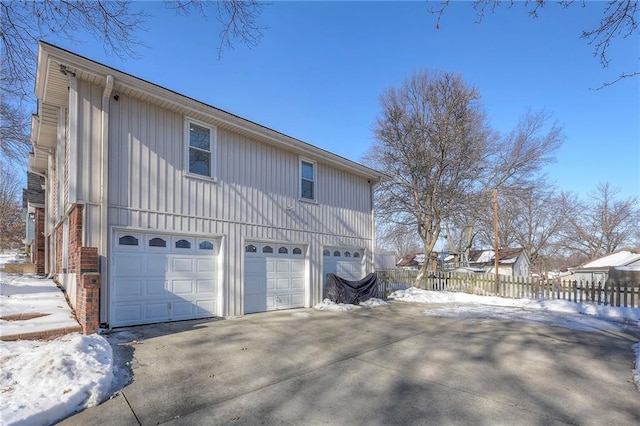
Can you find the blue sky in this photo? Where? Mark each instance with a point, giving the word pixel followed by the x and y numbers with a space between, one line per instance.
pixel 321 66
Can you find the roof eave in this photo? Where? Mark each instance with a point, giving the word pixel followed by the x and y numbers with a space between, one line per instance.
pixel 49 52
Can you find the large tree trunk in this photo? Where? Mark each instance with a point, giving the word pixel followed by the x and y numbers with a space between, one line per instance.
pixel 429 241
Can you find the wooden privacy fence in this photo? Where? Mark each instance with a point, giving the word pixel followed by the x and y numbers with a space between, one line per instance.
pixel 620 294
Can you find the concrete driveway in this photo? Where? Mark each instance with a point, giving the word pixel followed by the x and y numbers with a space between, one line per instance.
pixel 382 366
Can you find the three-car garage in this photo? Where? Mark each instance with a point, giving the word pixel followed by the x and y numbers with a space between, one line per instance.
pixel 158 277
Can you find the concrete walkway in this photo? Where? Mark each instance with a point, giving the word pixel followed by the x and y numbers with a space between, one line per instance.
pixel 381 366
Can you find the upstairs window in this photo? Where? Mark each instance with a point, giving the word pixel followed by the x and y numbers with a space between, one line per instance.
pixel 307 180
pixel 201 146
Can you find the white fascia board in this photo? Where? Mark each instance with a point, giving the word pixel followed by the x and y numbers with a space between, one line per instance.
pixel 158 92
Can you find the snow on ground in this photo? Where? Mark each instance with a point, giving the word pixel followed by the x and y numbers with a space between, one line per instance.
pixel 45 381
pixel 31 295
pixel 576 316
pixel 561 313
pixel 42 382
pixel 329 305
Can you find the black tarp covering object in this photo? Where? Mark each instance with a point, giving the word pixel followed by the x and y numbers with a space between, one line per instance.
pixel 340 290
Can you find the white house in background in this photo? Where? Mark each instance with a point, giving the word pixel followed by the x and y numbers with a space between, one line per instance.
pixel 512 262
pixel 160 207
pixel 597 270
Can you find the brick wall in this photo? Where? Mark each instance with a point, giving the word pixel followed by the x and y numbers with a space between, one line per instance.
pixel 84 263
pixel 58 234
pixel 38 249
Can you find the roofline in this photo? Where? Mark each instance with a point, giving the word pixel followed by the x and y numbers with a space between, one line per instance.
pixel 48 52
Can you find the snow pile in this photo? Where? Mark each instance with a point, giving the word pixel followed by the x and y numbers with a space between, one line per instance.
pixel 329 305
pixel 624 315
pixel 44 382
pixel 636 370
pixel 373 303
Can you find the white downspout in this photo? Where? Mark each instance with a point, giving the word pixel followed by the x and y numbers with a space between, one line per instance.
pixel 373 229
pixel 104 196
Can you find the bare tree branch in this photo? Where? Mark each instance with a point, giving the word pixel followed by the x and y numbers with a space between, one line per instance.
pixel 239 20
pixel 619 21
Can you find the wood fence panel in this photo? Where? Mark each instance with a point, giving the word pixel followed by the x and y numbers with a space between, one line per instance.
pixel 608 293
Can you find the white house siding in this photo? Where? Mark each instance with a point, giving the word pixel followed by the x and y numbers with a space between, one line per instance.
pixel 254 197
pixel 89 142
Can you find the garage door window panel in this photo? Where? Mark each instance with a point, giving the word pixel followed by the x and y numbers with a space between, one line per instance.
pixel 183 244
pixel 157 242
pixel 128 240
pixel 206 245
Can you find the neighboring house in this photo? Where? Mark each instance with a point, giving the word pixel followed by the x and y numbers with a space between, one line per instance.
pixel 411 261
pixel 33 203
pixel 416 260
pixel 159 207
pixel 598 270
pixel 512 262
pixel 384 261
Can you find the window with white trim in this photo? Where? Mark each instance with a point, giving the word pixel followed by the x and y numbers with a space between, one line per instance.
pixel 307 180
pixel 201 143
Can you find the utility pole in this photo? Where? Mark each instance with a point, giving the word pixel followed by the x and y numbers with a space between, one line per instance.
pixel 496 240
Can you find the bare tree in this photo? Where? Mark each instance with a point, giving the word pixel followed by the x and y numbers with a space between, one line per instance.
pixel 399 238
pixel 113 22
pixel 603 224
pixel 514 161
pixel 619 21
pixel 433 137
pixel 532 219
pixel 12 229
pixel 14 132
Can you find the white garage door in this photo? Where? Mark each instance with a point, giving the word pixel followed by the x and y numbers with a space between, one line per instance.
pixel 274 277
pixel 162 277
pixel 343 262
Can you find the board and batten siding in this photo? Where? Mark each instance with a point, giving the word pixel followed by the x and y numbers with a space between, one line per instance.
pixel 255 196
pixel 256 183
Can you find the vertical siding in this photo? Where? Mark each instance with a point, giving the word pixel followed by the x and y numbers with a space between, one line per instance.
pixel 89 170
pixel 65 140
pixel 255 195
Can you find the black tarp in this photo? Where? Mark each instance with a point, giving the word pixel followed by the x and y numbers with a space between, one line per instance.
pixel 340 290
